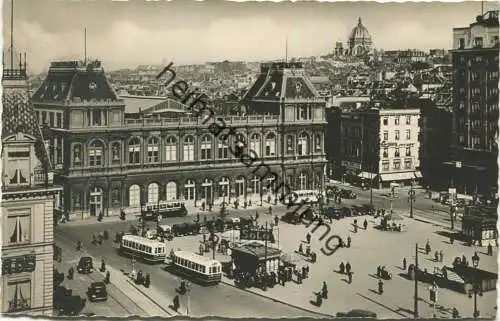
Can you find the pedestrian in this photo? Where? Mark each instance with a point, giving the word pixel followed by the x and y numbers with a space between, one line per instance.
pixel 349 275
pixel 378 271
pixel 276 220
pixel 436 256
pixel 324 291
pixel 490 249
pixel 176 304
pixel 380 287
pixel 256 215
pixel 301 250
pixel 441 256
pixel 299 277
pixel 454 313
pixel 342 268
pixel 451 239
pixel 365 224
pixel 404 263
pixel 308 250
pixel 427 248
pixel 308 238
pixel 349 241
pixel 348 267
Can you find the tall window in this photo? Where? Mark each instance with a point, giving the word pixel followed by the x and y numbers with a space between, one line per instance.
pixel 188 148
pixel 19 227
pixel 270 145
pixel 77 154
pixel 171 191
pixel 385 165
pixel 222 150
pixel 385 121
pixel 115 197
pixel 224 187
pixel 206 148
pixel 408 134
pixel 289 144
pixel 396 136
pixel 317 143
pixel 396 121
pixel 115 152
pixel 302 181
pixel 18 295
pixel 408 151
pixel 189 190
pixel 396 163
pixel 153 191
pixel 153 147
pixel 302 144
pixel 408 163
pixel 170 149
pixel 95 153
pixel 386 135
pixel 396 152
pixel 255 144
pixel 385 153
pixel 134 195
pixel 256 185
pixel 134 151
pixel 408 120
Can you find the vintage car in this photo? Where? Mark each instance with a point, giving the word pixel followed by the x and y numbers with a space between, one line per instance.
pixel 85 265
pixel 296 214
pixel 97 292
pixel 347 194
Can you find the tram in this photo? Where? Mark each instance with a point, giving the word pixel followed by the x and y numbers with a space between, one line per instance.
pixel 163 209
pixel 197 268
pixel 151 251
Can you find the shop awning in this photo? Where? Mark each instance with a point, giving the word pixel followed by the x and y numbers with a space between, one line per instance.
pixel 399 176
pixel 367 175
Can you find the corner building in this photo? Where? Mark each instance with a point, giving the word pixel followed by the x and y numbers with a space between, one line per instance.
pixel 473 169
pixel 107 159
pixel 28 200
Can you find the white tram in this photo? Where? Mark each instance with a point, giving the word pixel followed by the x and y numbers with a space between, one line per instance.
pixel 195 267
pixel 152 251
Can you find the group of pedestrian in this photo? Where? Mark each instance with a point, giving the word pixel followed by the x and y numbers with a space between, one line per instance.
pixel 322 294
pixel 438 256
pixel 346 269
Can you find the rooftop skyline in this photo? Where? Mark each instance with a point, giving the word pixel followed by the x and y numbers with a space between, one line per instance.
pixel 126 34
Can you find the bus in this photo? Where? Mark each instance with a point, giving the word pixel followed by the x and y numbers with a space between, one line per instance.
pixel 151 251
pixel 197 268
pixel 163 209
pixel 306 196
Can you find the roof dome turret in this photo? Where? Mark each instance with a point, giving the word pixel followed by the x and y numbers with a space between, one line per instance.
pixel 360 32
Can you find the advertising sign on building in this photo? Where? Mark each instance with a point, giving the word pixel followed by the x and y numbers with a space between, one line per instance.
pixel 255 233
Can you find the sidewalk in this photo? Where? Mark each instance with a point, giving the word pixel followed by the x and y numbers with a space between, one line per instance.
pixel 150 301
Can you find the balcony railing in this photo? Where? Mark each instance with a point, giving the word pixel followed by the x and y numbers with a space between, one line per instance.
pixel 192 121
pixel 39 177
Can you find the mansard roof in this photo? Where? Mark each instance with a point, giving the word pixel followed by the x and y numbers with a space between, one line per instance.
pixel 18 116
pixel 73 80
pixel 279 80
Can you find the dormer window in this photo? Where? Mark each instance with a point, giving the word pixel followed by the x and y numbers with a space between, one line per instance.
pixel 478 42
pixel 17 169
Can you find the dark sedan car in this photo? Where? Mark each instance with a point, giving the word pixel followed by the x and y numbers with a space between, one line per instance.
pixel 85 265
pixel 357 313
pixel 97 292
pixel 347 194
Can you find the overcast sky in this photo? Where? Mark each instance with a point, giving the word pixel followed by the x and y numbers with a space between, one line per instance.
pixel 125 34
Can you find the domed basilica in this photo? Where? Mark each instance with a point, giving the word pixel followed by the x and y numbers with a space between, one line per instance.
pixel 358 44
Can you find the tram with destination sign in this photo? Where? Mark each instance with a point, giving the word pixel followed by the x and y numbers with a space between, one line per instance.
pixel 163 209
pixel 151 251
pixel 194 267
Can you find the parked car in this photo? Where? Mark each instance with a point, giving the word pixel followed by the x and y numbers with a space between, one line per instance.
pixel 85 265
pixel 347 194
pixel 357 313
pixel 97 292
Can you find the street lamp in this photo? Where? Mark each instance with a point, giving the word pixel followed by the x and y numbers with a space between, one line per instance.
pixel 476 286
pixel 412 196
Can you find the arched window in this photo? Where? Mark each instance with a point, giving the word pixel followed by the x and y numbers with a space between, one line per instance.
pixel 171 191
pixel 134 151
pixel 153 147
pixel 77 154
pixel 317 143
pixel 289 144
pixel 302 144
pixel 303 181
pixel 115 153
pixel 255 144
pixel 224 187
pixel 171 149
pixel 115 197
pixel 188 148
pixel 134 195
pixel 270 145
pixel 153 193
pixel 222 150
pixel 206 148
pixel 95 153
pixel 189 190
